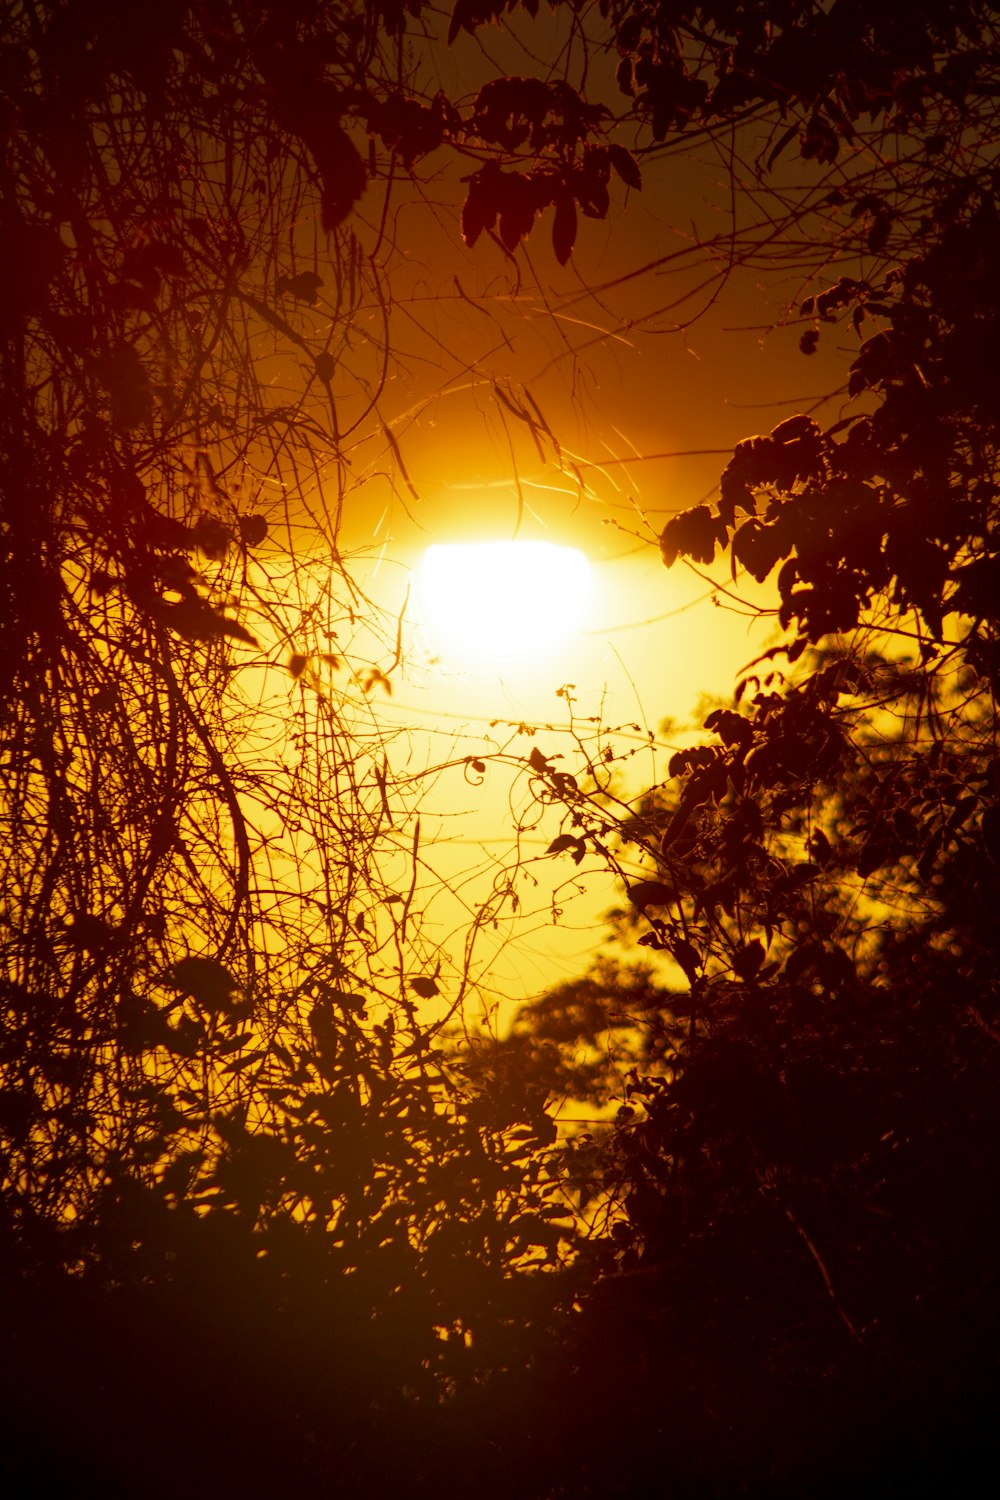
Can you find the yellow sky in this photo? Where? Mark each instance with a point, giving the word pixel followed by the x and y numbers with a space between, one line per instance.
pixel 580 405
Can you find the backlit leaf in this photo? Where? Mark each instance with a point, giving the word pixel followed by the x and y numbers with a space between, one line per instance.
pixel 253 530
pixel 625 165
pixel 564 227
pixel 650 893
pixel 205 979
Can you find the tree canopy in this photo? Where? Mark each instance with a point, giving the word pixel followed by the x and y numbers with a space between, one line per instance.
pixel 721 1211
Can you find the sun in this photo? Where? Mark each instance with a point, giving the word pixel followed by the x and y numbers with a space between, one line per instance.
pixel 499 605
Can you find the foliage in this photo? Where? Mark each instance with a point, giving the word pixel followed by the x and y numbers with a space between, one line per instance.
pixel 224 1118
pixel 819 869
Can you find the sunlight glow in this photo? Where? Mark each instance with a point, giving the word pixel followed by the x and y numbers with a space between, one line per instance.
pixel 498 604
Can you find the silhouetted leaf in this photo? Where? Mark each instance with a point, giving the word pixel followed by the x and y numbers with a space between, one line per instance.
pixel 211 536
pixel 748 959
pixel 818 141
pixel 520 200
pixel 625 165
pixel 643 893
pixel 687 956
pixel 568 842
pixel 482 203
pixel 590 185
pixel 343 177
pixel 564 227
pixel 731 727
pixel 240 1064
pixel 694 533
pixel 253 530
pixel 783 140
pixel 205 979
pixel 305 286
pixel 196 620
pixel 758 546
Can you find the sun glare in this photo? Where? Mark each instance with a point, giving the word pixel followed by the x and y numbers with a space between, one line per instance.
pixel 500 604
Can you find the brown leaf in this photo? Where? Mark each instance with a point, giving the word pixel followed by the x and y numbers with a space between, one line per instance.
pixel 625 165
pixel 205 979
pixel 650 893
pixel 305 287
pixel 253 530
pixel 564 227
pixel 693 533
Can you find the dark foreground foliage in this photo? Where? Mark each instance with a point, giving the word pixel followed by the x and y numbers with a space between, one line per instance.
pixel 264 1228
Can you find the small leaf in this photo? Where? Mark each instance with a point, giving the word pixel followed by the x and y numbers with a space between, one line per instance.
pixel 626 166
pixel 692 533
pixel 482 205
pixel 687 956
pixel 253 530
pixel 758 546
pixel 650 893
pixel 205 980
pixel 343 175
pixel 325 366
pixel 731 727
pixel 465 17
pixel 196 620
pixel 748 959
pixel 371 677
pixel 304 287
pixel 211 536
pixel 355 1004
pixel 564 227
pixel 518 206
pixel 789 135
pixel 424 986
pixel 878 235
pixel 245 1061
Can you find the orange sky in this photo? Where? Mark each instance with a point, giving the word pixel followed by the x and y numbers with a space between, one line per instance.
pixel 605 377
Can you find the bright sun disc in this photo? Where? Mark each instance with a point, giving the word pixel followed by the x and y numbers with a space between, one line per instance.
pixel 501 603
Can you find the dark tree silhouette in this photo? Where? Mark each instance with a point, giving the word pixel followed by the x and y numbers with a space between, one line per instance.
pixel 258 1210
pixel 801 1177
